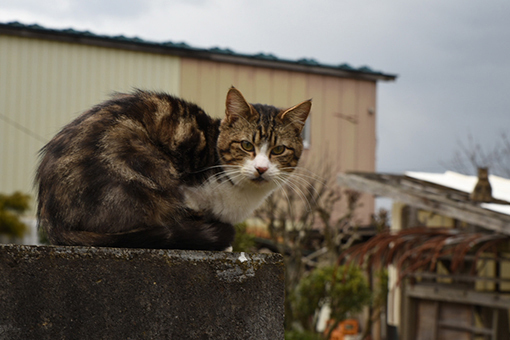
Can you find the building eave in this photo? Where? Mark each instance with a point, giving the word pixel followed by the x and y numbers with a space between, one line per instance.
pixel 185 51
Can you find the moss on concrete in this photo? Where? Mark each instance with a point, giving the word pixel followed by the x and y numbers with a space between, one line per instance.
pixel 51 292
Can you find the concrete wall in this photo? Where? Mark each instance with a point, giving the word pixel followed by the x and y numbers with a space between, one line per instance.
pixel 107 293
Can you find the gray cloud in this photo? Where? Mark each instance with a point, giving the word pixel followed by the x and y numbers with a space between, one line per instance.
pixel 126 9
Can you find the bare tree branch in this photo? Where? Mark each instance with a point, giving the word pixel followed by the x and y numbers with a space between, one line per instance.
pixel 306 225
pixel 471 155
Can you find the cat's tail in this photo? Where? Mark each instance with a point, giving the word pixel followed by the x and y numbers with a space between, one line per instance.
pixel 194 235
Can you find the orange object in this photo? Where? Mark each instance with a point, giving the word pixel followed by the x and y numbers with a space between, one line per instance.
pixel 346 327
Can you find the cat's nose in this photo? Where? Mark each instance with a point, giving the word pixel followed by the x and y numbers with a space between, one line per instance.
pixel 261 169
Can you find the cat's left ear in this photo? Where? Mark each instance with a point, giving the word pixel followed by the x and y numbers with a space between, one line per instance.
pixel 297 115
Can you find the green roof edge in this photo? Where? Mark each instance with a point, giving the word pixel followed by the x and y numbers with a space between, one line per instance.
pixel 365 70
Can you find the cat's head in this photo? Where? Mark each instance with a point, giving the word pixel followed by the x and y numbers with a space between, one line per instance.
pixel 260 144
pixel 483 173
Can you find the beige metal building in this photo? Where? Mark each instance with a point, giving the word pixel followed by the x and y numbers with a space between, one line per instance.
pixel 48 77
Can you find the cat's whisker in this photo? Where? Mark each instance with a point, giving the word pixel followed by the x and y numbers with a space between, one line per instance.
pixel 312 196
pixel 234 176
pixel 290 185
pixel 299 192
pixel 313 178
pixel 219 185
pixel 230 175
pixel 300 168
pixel 311 175
pixel 281 187
pixel 304 182
pixel 222 174
pixel 307 186
pixel 216 177
pixel 219 177
pixel 224 166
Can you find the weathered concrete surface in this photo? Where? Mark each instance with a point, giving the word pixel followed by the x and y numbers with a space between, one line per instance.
pixel 107 293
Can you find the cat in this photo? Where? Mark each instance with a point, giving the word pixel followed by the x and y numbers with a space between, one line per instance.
pixel 150 170
pixel 482 192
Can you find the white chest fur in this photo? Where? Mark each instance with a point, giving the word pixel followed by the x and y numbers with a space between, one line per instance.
pixel 231 204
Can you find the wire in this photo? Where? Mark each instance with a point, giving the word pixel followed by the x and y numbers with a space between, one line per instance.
pixel 23 129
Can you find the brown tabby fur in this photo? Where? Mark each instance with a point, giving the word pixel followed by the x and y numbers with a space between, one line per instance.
pixel 482 191
pixel 151 170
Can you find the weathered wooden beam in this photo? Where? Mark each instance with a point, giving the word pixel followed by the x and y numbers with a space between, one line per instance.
pixel 442 293
pixel 431 201
pixel 458 277
pixel 463 327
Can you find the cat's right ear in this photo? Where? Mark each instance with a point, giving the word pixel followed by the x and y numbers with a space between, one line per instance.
pixel 237 107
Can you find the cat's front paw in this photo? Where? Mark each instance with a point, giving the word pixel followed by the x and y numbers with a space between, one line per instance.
pixel 229 249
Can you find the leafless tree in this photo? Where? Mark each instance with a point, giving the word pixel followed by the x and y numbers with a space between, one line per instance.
pixel 471 155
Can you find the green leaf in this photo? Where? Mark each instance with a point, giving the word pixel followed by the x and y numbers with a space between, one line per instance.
pixel 11 208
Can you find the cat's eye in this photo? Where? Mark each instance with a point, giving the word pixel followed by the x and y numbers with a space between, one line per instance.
pixel 247 146
pixel 278 150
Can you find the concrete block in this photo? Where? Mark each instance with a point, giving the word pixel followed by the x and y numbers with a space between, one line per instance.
pixel 49 292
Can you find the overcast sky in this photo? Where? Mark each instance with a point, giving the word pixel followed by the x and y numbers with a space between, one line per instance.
pixel 452 57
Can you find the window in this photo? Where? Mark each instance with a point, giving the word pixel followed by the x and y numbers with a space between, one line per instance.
pixel 306 134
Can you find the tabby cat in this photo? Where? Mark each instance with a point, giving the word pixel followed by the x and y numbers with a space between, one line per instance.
pixel 149 170
pixel 482 192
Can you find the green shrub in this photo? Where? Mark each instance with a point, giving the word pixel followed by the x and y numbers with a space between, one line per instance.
pixel 243 241
pixel 347 294
pixel 11 208
pixel 296 335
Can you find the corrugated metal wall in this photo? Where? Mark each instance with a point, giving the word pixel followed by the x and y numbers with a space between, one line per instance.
pixel 45 84
pixel 207 83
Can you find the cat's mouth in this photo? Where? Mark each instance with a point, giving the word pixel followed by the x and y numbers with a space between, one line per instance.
pixel 259 179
